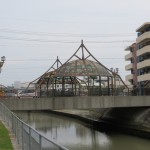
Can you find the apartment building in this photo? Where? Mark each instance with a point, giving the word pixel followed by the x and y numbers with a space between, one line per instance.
pixel 132 66
pixel 139 57
pixel 143 53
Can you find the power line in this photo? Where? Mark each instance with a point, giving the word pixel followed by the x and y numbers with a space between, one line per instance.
pixel 54 59
pixel 35 40
pixel 56 45
pixel 65 34
pixel 60 41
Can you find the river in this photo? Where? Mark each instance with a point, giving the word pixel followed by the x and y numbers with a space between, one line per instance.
pixel 76 135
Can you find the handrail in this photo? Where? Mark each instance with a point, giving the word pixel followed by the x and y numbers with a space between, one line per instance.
pixel 22 135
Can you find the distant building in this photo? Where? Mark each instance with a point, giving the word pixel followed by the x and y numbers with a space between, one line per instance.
pixel 139 57
pixel 17 84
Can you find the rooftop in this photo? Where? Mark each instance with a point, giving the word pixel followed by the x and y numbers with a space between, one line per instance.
pixel 82 67
pixel 143 26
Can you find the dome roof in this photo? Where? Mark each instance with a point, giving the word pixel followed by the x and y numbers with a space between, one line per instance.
pixel 81 67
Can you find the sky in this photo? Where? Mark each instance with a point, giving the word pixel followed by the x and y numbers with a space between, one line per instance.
pixel 34 32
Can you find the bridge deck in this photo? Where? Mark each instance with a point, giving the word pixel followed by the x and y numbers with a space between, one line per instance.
pixel 89 102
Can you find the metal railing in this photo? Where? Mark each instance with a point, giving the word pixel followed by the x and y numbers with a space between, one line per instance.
pixel 27 137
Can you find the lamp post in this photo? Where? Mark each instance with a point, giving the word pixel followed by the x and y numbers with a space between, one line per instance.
pixel 3 58
pixel 114 72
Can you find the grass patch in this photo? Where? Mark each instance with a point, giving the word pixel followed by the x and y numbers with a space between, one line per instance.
pixel 5 142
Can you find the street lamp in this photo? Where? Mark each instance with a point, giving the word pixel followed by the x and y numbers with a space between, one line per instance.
pixel 3 58
pixel 115 70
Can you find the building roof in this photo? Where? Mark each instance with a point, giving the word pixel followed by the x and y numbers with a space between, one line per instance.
pixel 82 67
pixel 143 26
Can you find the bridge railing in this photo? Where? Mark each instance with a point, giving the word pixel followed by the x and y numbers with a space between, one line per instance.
pixel 141 91
pixel 26 136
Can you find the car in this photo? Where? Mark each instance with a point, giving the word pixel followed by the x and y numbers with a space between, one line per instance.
pixel 27 94
pixel 10 94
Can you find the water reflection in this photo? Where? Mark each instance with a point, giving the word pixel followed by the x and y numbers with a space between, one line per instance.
pixel 76 136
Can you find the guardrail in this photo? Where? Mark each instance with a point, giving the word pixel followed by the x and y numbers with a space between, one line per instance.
pixel 27 137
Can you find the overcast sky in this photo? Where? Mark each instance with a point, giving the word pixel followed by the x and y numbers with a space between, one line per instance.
pixel 34 32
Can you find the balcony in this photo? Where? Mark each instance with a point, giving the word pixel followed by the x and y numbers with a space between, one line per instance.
pixel 144 77
pixel 128 56
pixel 143 50
pixel 128 48
pixel 129 77
pixel 128 67
pixel 143 64
pixel 142 37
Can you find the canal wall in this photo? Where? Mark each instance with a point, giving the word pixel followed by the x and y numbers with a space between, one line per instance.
pixel 134 121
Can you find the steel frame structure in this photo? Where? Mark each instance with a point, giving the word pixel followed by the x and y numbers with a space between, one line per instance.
pixel 76 77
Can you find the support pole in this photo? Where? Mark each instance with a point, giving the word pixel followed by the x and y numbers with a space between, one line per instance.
pixel 108 85
pixel 100 87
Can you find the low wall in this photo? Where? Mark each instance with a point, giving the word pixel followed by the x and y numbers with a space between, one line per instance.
pixel 89 102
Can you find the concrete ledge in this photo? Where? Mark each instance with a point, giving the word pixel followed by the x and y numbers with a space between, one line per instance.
pixel 87 102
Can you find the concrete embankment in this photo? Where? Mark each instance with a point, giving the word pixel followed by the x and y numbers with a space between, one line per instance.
pixel 134 121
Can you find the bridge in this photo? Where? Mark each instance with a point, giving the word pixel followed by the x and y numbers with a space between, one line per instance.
pixel 85 102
